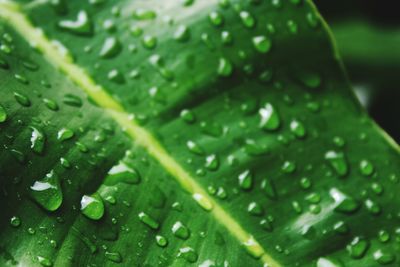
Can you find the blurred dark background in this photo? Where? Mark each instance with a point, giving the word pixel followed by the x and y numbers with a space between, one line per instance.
pixel 367 33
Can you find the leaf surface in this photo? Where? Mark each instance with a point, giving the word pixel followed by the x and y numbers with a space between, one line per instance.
pixel 210 133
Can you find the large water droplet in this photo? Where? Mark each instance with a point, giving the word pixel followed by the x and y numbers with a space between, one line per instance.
pixel 148 220
pixel 188 254
pixel 262 44
pixel 343 202
pixel 122 173
pixel 47 192
pixel 357 247
pixel 92 206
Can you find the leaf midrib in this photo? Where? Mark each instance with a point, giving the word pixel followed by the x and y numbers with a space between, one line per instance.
pixel 12 14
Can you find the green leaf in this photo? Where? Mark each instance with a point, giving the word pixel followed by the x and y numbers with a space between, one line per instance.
pixel 186 133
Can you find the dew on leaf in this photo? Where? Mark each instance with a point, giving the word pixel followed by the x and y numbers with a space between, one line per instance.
pixel 22 99
pixel 203 201
pixel 187 116
pixel 161 241
pixel 245 180
pixel 122 173
pixel 182 33
pixel 297 128
pixel 47 192
pixel 148 220
pixel 247 19
pixel 72 100
pixel 113 256
pixel 269 118
pixel 216 18
pixel 366 167
pixel 338 161
pixel 92 206
pixel 38 140
pixel 15 221
pixel 343 203
pixel 225 67
pixel 180 230
pixel 188 253
pixel 65 134
pixel 262 44
pixel 81 26
pixel 384 257
pixel 45 262
pixel 149 42
pixel 111 48
pixel 50 104
pixel 357 247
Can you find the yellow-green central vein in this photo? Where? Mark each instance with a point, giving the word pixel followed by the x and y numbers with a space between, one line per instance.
pixel 12 14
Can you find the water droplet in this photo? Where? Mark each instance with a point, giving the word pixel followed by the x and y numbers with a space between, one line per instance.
pixel 37 140
pixel 111 48
pixel 46 262
pixel 212 162
pixel 194 148
pixel 15 221
pixel 247 19
pixel 366 167
pixel 81 26
pixel 180 230
pixel 309 78
pixel 47 192
pixel 72 100
pixel 383 236
pixel 305 183
pixel 372 206
pixel 144 14
pixel 188 254
pixel 22 79
pixel 149 42
pixel 288 167
pixel 245 180
pixel 122 173
pixel 383 257
pixel 357 247
pixel 253 248
pixel 226 38
pixel 338 162
pixel 116 76
pixel 65 134
pixel 182 34
pixel 187 116
pixel 3 114
pixel 92 206
pixel 270 119
pixel 50 104
pixel 203 201
pixel 255 209
pixel 325 262
pixel 158 62
pixel 148 220
pixel 292 26
pixel 297 128
pixel 211 128
pixel 113 256
pixel 343 202
pixel 268 188
pixel 22 99
pixel 225 67
pixel 216 18
pixel 262 44
pixel 161 241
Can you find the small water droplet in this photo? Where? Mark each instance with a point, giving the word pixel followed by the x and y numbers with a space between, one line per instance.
pixel 357 247
pixel 148 220
pixel 225 67
pixel 247 19
pixel 270 119
pixel 182 34
pixel 122 173
pixel 262 44
pixel 161 241
pixel 216 18
pixel 366 167
pixel 245 180
pixel 343 202
pixel 38 140
pixel 337 160
pixel 65 134
pixel 180 230
pixel 22 99
pixel 188 253
pixel 113 256
pixel 203 201
pixel 15 221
